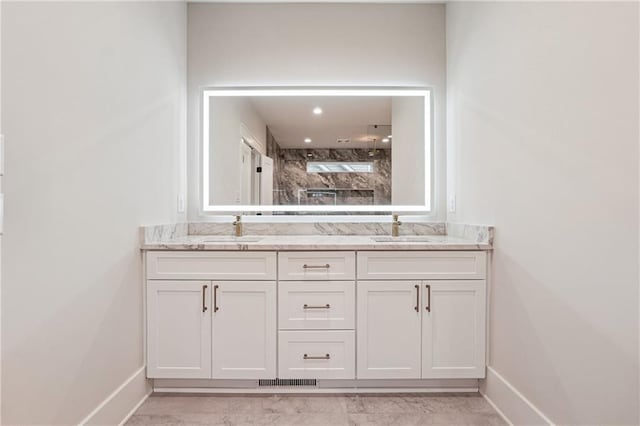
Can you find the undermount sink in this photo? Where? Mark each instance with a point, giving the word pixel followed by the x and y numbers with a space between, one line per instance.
pixel 232 239
pixel 403 239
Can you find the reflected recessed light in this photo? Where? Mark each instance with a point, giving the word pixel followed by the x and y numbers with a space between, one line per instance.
pixel 317 110
pixel 385 140
pixel 389 136
pixel 307 140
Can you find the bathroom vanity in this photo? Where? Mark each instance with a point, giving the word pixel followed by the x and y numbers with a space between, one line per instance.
pixel 325 311
pixel 357 302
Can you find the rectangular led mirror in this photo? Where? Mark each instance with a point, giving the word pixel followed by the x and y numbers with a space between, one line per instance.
pixel 316 151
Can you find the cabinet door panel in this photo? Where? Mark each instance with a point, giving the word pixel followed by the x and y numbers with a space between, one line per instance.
pixel 244 330
pixel 178 331
pixel 453 330
pixel 388 330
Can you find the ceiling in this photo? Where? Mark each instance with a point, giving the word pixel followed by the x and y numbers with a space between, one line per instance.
pixel 291 120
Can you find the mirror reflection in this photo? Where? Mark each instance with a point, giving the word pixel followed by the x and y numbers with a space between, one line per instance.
pixel 316 150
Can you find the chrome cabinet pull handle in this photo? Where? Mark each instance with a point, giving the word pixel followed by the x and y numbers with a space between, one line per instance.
pixel 417 287
pixel 325 266
pixel 204 300
pixel 327 356
pixel 428 298
pixel 215 298
pixel 305 306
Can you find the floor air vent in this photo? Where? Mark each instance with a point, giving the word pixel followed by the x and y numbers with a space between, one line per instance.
pixel 287 382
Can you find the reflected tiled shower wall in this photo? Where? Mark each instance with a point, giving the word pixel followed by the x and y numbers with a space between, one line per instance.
pixel 293 185
pixel 273 152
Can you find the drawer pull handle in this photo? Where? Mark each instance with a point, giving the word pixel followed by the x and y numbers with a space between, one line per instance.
pixel 215 298
pixel 204 300
pixel 327 356
pixel 428 298
pixel 325 266
pixel 417 298
pixel 305 306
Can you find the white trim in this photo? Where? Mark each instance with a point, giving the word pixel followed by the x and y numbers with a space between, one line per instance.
pixel 134 409
pixel 312 390
pixel 118 402
pixel 318 91
pixel 251 140
pixel 330 1
pixel 498 410
pixel 425 210
pixel 512 405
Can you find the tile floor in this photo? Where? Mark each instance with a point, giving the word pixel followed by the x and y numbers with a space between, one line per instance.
pixel 317 410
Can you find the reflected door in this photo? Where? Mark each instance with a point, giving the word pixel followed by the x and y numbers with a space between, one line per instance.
pixel 266 181
pixel 246 174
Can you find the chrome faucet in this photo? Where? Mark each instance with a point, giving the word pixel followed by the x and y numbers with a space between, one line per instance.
pixel 238 224
pixel 395 226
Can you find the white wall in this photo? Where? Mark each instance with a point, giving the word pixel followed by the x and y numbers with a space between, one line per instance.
pixel 1 215
pixel 229 119
pixel 314 44
pixel 543 130
pixel 93 109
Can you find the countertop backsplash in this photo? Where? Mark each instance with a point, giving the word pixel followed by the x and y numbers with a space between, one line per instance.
pixel 192 235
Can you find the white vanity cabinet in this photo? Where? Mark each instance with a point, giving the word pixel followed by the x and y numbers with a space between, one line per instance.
pixel 211 315
pixel 328 315
pixel 421 315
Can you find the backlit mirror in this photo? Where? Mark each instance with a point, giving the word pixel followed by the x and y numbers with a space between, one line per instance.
pixel 328 151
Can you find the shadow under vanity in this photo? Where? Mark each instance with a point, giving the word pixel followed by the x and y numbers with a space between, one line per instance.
pixel 315 307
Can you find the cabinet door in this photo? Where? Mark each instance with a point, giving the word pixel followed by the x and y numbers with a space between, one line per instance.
pixel 244 330
pixel 453 329
pixel 178 329
pixel 388 330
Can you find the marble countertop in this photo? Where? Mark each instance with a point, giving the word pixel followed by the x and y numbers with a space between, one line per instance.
pixel 316 242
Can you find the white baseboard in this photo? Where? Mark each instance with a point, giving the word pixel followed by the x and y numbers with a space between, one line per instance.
pixel 509 402
pixel 312 391
pixel 134 409
pixel 123 402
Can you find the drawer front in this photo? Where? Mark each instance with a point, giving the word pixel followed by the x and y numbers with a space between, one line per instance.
pixel 319 265
pixel 316 355
pixel 316 305
pixel 163 265
pixel 400 265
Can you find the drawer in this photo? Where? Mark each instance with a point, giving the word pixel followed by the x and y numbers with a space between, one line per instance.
pixel 316 354
pixel 313 305
pixel 171 265
pixel 317 265
pixel 416 265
